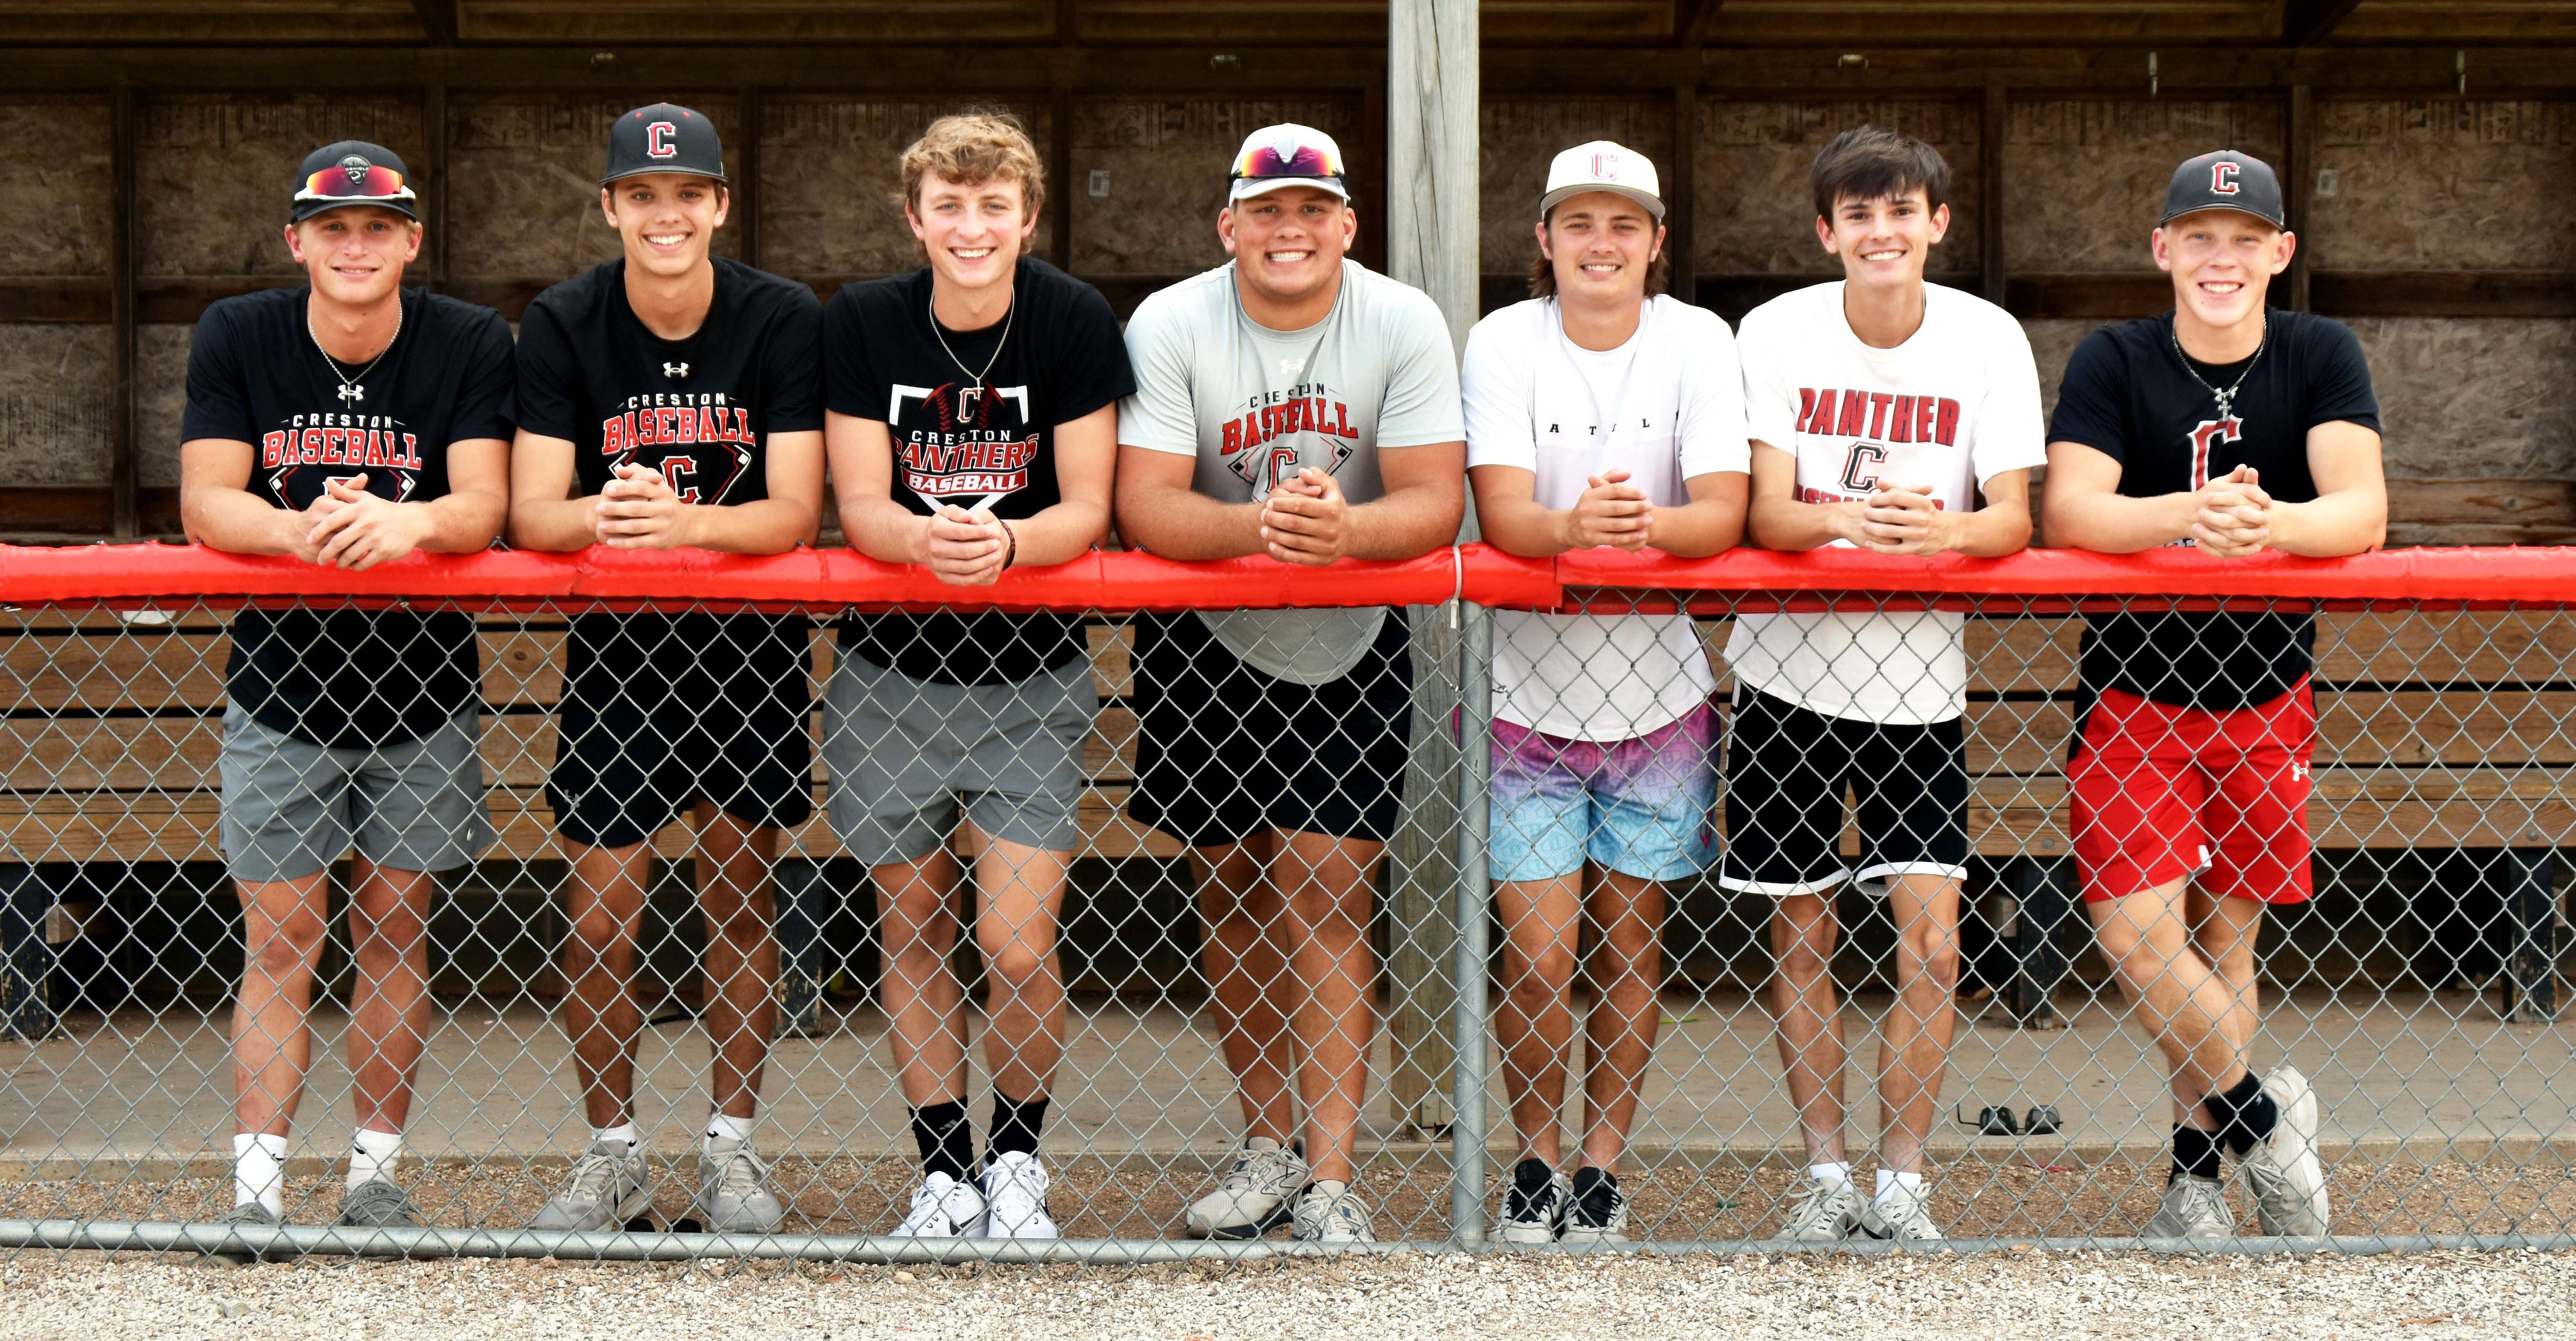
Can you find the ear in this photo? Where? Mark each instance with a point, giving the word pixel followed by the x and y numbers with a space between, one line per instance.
pixel 294 244
pixel 1658 249
pixel 1540 228
pixel 1825 235
pixel 2161 247
pixel 1225 228
pixel 412 253
pixel 2286 248
pixel 1940 224
pixel 608 205
pixel 1029 228
pixel 724 204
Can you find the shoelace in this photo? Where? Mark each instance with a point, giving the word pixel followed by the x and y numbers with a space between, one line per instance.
pixel 376 1195
pixel 1810 1205
pixel 740 1170
pixel 594 1176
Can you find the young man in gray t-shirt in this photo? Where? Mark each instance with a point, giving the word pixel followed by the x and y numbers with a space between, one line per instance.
pixel 1295 404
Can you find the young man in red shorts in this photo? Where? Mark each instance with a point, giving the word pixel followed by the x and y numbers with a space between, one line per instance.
pixel 2235 427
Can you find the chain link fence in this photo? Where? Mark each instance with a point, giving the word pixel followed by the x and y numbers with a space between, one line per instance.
pixel 1614 996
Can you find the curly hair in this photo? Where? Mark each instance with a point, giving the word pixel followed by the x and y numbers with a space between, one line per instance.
pixel 974 147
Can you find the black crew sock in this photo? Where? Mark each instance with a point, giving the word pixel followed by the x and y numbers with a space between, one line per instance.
pixel 2195 1155
pixel 946 1141
pixel 1587 1178
pixel 2245 1115
pixel 1016 1123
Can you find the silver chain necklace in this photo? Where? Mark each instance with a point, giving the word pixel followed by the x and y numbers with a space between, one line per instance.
pixel 2226 399
pixel 350 390
pixel 931 309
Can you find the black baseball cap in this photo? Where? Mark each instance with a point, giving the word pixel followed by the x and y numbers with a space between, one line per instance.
pixel 2225 180
pixel 352 172
pixel 664 137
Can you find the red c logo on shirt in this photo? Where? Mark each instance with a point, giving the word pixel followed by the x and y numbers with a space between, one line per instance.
pixel 2222 179
pixel 657 140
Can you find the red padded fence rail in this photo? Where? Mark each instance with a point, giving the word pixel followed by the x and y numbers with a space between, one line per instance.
pixel 2539 576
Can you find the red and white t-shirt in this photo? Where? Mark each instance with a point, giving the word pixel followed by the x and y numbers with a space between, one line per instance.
pixel 1954 406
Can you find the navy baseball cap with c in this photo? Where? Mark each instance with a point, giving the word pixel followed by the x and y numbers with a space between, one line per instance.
pixel 352 172
pixel 664 137
pixel 2225 180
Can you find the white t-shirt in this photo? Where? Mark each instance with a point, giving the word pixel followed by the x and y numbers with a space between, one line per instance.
pixel 1256 405
pixel 1952 407
pixel 1673 399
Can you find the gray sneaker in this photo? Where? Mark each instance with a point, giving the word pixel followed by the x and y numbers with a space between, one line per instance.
pixel 1824 1214
pixel 2194 1208
pixel 608 1186
pixel 1253 1197
pixel 1900 1213
pixel 734 1195
pixel 2286 1176
pixel 1330 1212
pixel 247 1213
pixel 378 1203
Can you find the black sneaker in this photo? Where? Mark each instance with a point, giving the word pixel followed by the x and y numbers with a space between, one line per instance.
pixel 1599 1210
pixel 1534 1205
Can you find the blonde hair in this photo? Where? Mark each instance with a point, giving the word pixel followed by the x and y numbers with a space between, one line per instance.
pixel 972 148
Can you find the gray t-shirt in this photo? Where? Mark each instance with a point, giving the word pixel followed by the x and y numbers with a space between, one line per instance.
pixel 1255 406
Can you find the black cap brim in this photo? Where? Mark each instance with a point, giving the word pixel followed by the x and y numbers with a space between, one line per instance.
pixel 406 206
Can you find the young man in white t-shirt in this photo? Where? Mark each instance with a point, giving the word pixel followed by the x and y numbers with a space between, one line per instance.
pixel 1600 412
pixel 1880 408
pixel 1296 404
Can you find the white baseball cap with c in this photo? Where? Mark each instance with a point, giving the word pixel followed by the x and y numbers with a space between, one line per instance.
pixel 1603 165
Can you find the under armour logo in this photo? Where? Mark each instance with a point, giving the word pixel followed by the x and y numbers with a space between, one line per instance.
pixel 1291 367
pixel 351 393
pixel 675 370
pixel 2298 771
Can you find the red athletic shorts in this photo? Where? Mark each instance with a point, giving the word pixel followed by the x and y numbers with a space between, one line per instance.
pixel 2163 792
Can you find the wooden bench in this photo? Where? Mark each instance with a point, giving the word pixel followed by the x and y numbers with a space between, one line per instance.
pixel 2437 731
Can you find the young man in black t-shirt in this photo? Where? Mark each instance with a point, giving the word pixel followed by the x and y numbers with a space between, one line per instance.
pixel 2237 428
pixel 347 422
pixel 973 417
pixel 669 399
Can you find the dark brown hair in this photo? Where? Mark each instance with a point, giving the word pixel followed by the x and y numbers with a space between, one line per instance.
pixel 1659 271
pixel 1867 163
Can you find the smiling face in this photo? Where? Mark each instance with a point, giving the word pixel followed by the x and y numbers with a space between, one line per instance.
pixel 1600 245
pixel 666 219
pixel 1886 241
pixel 1288 244
pixel 355 254
pixel 2222 261
pixel 973 231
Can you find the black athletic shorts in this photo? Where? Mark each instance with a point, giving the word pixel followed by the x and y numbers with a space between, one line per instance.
pixel 1225 751
pixel 661 710
pixel 1786 772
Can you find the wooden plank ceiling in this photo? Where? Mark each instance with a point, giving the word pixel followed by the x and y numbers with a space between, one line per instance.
pixel 1596 23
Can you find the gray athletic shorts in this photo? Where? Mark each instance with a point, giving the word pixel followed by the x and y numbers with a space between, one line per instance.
pixel 292 807
pixel 904 753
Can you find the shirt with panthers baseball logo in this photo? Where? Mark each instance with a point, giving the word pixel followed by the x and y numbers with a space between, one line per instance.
pixel 699 409
pixel 973 416
pixel 350 679
pixel 2131 394
pixel 1954 406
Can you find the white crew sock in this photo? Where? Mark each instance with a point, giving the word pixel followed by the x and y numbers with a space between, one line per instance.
pixel 373 1154
pixel 623 1131
pixel 259 1171
pixel 1836 1173
pixel 1890 1179
pixel 728 1134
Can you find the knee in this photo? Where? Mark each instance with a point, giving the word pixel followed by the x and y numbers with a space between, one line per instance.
pixel 289 948
pixel 1806 960
pixel 1549 970
pixel 1939 957
pixel 1019 957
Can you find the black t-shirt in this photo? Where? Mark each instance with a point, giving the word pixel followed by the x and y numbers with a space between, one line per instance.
pixel 350 678
pixel 2130 395
pixel 700 409
pixel 988 444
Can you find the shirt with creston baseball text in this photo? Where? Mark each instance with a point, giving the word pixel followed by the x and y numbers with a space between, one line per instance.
pixel 350 679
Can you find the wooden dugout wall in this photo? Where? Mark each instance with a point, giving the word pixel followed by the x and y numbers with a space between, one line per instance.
pixel 143 149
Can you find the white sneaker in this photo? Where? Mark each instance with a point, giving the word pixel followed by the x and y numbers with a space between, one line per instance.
pixel 1535 1216
pixel 607 1187
pixel 1824 1213
pixel 2194 1208
pixel 1253 1197
pixel 2286 1176
pixel 734 1195
pixel 1015 1199
pixel 1898 1213
pixel 942 1208
pixel 1331 1212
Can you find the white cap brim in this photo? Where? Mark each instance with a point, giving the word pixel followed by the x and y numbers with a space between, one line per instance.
pixel 1245 188
pixel 1654 205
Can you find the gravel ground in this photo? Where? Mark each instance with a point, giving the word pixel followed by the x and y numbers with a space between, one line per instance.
pixel 2038 1194
pixel 2026 1296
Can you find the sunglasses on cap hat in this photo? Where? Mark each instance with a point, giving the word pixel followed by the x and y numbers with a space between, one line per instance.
pixel 1279 155
pixel 355 179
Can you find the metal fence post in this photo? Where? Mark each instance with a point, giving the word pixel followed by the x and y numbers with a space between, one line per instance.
pixel 1475 764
